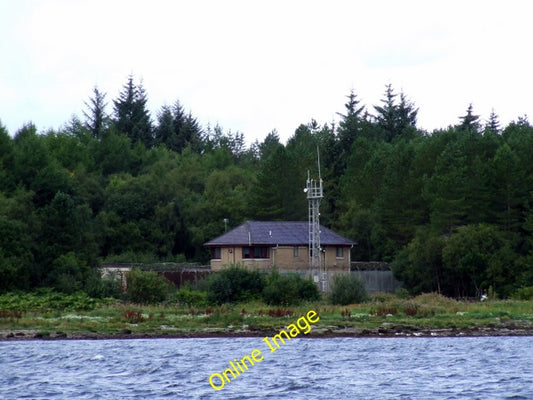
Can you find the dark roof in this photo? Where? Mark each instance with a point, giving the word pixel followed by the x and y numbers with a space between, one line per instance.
pixel 276 232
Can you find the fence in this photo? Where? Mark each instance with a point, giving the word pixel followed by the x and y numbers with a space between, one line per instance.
pixel 177 273
pixel 376 276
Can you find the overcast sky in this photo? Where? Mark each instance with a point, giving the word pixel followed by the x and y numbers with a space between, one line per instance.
pixel 254 66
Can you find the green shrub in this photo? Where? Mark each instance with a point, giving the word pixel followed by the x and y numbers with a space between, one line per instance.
pixel 189 297
pixel 347 289
pixel 46 299
pixel 98 287
pixel 234 284
pixel 525 293
pixel 68 273
pixel 147 287
pixel 402 293
pixel 288 289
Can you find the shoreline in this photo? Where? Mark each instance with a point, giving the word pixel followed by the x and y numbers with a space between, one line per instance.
pixel 317 333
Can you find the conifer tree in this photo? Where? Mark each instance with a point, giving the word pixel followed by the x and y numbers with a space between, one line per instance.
pixel 164 132
pixel 131 115
pixel 470 121
pixel 387 114
pixel 395 119
pixel 350 124
pixel 493 124
pixel 96 118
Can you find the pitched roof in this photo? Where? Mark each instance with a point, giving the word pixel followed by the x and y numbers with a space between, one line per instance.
pixel 276 233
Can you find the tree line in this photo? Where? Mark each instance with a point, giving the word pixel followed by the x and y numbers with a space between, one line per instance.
pixel 450 209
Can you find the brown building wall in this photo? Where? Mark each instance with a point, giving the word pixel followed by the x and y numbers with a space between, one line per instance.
pixel 286 258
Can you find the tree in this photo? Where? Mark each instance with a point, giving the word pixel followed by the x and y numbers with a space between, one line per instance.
pixel 269 196
pixel 507 192
pixel 131 115
pixel 177 129
pixel 35 168
pixel 493 124
pixel 7 181
pixel 470 121
pixel 164 132
pixel 351 123
pixel 97 120
pixel 269 145
pixel 419 264
pixel 396 119
pixel 472 261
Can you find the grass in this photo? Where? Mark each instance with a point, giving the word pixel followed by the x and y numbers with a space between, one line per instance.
pixel 47 315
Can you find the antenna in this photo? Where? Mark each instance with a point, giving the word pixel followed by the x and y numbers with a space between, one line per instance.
pixel 318 162
pixel 314 193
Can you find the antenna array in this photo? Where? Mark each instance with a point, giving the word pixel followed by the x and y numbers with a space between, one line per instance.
pixel 314 190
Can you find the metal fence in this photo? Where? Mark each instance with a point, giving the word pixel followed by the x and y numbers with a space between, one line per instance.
pixel 376 276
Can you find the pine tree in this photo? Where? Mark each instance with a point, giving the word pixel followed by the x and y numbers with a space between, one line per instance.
pixel 350 125
pixel 470 121
pixel 164 132
pixel 493 124
pixel 177 130
pixel 131 115
pixel 96 118
pixel 396 119
pixel 387 114
pixel 407 114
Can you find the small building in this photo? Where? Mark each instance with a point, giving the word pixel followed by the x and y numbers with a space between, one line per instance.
pixel 260 244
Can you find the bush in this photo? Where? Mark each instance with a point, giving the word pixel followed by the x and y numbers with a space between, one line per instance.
pixel 68 273
pixel 525 293
pixel 288 289
pixel 402 293
pixel 234 284
pixel 147 287
pixel 189 297
pixel 98 287
pixel 347 289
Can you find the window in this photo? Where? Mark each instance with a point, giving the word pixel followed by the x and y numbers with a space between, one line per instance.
pixel 216 253
pixel 296 251
pixel 255 252
pixel 339 253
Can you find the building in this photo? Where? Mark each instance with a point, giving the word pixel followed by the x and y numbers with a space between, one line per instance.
pixel 259 244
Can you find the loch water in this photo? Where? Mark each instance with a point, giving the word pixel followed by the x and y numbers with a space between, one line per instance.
pixel 333 368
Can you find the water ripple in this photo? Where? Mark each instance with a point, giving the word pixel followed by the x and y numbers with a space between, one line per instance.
pixel 343 368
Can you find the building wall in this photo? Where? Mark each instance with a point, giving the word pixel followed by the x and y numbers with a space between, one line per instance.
pixel 285 258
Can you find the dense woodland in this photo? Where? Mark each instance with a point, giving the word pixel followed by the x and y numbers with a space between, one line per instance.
pixel 451 209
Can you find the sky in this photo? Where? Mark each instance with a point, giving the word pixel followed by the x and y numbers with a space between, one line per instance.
pixel 255 66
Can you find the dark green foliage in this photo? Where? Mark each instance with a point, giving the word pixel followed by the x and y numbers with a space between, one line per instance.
pixel 190 297
pixel 97 120
pixel 525 293
pixel 147 287
pixel 419 264
pixel 396 119
pixel 347 289
pixel 119 188
pixel 178 130
pixel 67 274
pixel 98 287
pixel 477 258
pixel 288 289
pixel 131 114
pixel 234 284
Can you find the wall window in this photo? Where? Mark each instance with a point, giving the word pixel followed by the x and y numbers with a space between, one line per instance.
pixel 339 253
pixel 296 251
pixel 255 252
pixel 216 253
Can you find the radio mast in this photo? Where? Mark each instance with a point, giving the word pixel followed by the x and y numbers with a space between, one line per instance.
pixel 315 193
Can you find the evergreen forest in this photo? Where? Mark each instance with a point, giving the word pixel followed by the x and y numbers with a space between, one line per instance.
pixel 449 209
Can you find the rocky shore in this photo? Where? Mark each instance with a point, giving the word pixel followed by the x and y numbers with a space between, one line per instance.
pixel 318 332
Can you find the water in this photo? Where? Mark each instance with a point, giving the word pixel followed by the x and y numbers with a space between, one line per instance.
pixel 342 368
